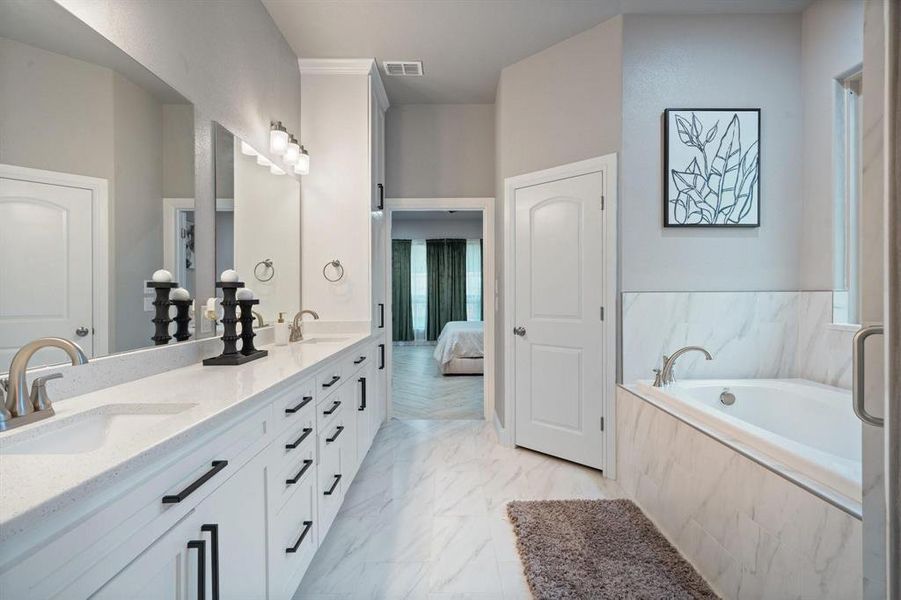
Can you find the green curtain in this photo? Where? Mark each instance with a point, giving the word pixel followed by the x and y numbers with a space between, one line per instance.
pixel 401 299
pixel 446 283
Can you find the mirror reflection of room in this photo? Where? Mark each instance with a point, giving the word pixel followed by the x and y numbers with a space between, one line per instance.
pixel 94 154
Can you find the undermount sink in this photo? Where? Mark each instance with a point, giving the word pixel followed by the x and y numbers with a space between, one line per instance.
pixel 90 430
pixel 323 340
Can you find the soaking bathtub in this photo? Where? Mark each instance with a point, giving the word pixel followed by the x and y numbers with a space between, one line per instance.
pixel 796 425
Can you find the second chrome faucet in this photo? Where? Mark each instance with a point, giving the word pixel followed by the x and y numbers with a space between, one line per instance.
pixel 665 376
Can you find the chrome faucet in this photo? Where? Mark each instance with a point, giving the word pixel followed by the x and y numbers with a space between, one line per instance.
pixel 297 325
pixel 665 376
pixel 21 406
pixel 259 318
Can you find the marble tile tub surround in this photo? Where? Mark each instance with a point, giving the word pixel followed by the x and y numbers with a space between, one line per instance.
pixel 748 531
pixel 751 335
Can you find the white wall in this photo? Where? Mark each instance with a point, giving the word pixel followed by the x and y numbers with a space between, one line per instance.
pixel 429 225
pixel 710 61
pixel 558 106
pixel 831 47
pixel 266 225
pixel 440 150
pixel 228 58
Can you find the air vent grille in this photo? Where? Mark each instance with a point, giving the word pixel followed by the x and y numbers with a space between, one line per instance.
pixel 403 68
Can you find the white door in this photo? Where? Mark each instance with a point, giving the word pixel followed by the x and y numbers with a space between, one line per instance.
pixel 45 267
pixel 559 290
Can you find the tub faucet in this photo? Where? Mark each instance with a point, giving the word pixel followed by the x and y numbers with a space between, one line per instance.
pixel 21 406
pixel 297 326
pixel 665 376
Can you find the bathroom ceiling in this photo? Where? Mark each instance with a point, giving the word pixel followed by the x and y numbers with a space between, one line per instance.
pixel 463 44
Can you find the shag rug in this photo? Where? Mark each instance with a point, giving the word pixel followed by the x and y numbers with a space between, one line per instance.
pixel 597 549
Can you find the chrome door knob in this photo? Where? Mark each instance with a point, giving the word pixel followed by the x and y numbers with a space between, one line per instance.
pixel 82 331
pixel 520 331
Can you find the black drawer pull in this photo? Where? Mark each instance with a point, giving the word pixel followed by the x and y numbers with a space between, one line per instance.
pixel 334 407
pixel 307 525
pixel 359 360
pixel 296 478
pixel 381 315
pixel 305 432
pixel 331 490
pixel 306 400
pixel 333 381
pixel 218 465
pixel 200 546
pixel 213 530
pixel 335 437
pixel 362 381
pixel 381 204
pixel 381 356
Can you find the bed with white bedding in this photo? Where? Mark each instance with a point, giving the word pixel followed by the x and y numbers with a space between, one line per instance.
pixel 461 348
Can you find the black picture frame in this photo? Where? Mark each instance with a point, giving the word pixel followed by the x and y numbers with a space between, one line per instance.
pixel 669 116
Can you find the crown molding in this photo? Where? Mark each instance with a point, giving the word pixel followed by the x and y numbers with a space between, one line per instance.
pixel 347 66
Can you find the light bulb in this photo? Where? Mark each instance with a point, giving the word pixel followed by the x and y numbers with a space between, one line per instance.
pixel 303 162
pixel 263 161
pixel 278 139
pixel 293 152
pixel 247 149
pixel 275 170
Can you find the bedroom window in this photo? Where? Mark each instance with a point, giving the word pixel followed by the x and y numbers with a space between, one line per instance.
pixel 473 280
pixel 418 288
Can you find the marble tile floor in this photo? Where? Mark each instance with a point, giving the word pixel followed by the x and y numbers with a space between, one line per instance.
pixel 420 391
pixel 425 517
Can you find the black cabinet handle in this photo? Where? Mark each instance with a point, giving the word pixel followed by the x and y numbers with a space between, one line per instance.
pixel 381 196
pixel 334 407
pixel 381 357
pixel 218 465
pixel 335 437
pixel 307 525
pixel 305 432
pixel 359 360
pixel 296 478
pixel 306 400
pixel 331 490
pixel 333 381
pixel 381 315
pixel 200 546
pixel 362 381
pixel 213 530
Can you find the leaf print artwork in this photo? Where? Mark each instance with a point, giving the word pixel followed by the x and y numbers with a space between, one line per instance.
pixel 712 167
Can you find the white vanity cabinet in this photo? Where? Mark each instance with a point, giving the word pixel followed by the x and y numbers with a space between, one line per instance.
pixel 237 513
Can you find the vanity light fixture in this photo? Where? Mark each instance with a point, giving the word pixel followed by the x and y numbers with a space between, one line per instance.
pixel 293 151
pixel 302 167
pixel 247 149
pixel 278 138
pixel 275 170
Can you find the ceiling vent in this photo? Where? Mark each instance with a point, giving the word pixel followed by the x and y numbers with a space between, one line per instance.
pixel 403 68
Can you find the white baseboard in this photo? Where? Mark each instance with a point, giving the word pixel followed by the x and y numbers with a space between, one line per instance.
pixel 503 437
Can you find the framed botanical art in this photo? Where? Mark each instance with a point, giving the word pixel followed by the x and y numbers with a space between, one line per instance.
pixel 711 167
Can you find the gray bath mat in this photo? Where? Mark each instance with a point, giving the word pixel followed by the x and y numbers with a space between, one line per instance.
pixel 597 549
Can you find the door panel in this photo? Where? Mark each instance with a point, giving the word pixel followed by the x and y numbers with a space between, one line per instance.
pixel 559 292
pixel 54 223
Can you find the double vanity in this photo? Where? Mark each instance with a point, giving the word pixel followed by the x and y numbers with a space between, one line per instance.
pixel 198 482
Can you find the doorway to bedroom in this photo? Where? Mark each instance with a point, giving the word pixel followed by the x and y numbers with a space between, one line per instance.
pixel 438 311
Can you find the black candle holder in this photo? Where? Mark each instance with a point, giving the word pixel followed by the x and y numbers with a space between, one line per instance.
pixel 182 318
pixel 230 337
pixel 247 333
pixel 161 303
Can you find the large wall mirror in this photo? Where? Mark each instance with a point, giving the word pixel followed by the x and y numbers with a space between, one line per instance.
pixel 258 225
pixel 96 186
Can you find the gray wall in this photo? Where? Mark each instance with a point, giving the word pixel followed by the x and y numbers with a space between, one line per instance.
pixel 710 61
pixel 425 227
pixel 440 150
pixel 228 58
pixel 178 151
pixel 558 106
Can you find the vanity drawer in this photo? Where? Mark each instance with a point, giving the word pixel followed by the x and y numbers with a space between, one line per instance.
pixel 292 466
pixel 296 405
pixel 357 360
pixel 294 538
pixel 330 379
pixel 336 404
pixel 330 484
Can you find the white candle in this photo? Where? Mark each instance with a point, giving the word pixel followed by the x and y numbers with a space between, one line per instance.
pixel 162 276
pixel 229 275
pixel 244 294
pixel 179 294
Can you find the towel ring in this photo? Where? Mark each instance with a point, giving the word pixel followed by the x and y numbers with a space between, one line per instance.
pixel 339 270
pixel 267 267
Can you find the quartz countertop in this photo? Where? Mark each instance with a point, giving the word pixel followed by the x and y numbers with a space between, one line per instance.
pixel 36 486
